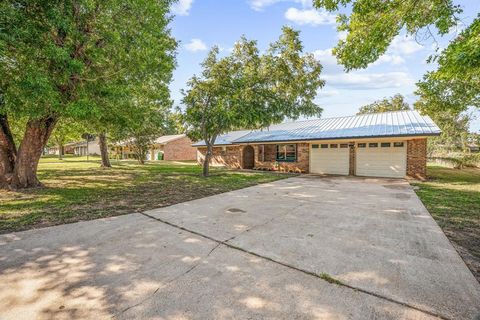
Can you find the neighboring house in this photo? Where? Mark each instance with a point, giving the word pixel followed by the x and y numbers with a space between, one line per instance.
pixel 83 148
pixel 473 148
pixel 170 147
pixel 67 149
pixel 391 144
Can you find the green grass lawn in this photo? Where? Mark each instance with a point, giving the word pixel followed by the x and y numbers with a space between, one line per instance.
pixel 452 196
pixel 68 158
pixel 78 190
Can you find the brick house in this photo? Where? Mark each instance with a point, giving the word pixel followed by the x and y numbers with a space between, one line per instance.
pixel 173 147
pixel 391 144
pixel 170 147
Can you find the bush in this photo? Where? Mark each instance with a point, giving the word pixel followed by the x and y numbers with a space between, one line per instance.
pixel 459 161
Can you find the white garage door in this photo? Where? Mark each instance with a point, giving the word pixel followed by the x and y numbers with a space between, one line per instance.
pixel 381 159
pixel 329 158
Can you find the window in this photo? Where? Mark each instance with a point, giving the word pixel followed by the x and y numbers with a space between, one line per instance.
pixel 334 145
pixel 324 146
pixel 373 145
pixel 362 145
pixel 314 146
pixel 398 144
pixel 286 152
pixel 343 145
pixel 385 144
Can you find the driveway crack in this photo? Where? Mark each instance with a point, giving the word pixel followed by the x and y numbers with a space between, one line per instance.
pixel 166 284
pixel 322 276
pixel 258 225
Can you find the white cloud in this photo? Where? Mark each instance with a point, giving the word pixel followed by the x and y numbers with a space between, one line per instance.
pixel 342 35
pixel 325 57
pixel 309 16
pixel 259 5
pixel 196 45
pixel 182 7
pixel 404 46
pixel 368 81
pixel 389 58
pixel 327 93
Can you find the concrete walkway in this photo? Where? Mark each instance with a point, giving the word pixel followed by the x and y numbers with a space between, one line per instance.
pixel 266 252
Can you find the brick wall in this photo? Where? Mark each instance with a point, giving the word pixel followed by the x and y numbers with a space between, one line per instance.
pixel 352 158
pixel 417 158
pixel 180 149
pixel 270 154
pixel 231 157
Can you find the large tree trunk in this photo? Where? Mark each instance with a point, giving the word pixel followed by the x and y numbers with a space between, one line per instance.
pixel 141 156
pixel 102 137
pixel 8 152
pixel 206 161
pixel 60 151
pixel 36 136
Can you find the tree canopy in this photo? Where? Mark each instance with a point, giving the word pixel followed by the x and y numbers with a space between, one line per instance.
pixel 455 85
pixel 249 90
pixel 395 103
pixel 78 59
pixel 447 93
pixel 372 25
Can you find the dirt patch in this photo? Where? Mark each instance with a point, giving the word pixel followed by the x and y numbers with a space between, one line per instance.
pixel 467 244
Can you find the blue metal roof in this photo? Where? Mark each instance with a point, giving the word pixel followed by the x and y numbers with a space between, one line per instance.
pixel 225 139
pixel 387 124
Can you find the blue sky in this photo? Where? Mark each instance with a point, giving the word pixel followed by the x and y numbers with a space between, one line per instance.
pixel 200 24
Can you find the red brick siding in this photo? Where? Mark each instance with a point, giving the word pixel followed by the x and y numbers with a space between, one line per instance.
pixel 269 158
pixel 417 158
pixel 180 149
pixel 230 158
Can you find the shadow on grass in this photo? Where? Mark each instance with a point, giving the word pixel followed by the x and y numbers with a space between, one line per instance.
pixel 75 194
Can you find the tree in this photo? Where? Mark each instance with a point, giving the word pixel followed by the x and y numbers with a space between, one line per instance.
pixel 174 124
pixel 65 131
pixel 372 25
pixel 250 90
pixel 395 103
pixel 143 135
pixel 455 85
pixel 89 57
pixel 447 93
pixel 102 141
pixel 454 124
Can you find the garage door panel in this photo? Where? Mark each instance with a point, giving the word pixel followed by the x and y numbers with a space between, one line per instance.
pixel 381 162
pixel 329 161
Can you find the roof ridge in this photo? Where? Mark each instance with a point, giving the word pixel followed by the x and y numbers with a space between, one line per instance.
pixel 351 116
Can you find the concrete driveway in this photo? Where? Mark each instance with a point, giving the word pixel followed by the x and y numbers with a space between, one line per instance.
pixel 301 248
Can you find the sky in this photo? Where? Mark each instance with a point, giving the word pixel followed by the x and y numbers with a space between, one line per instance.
pixel 200 24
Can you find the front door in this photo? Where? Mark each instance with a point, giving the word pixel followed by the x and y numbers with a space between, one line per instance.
pixel 248 157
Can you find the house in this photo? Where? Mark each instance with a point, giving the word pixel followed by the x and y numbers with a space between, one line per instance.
pixel 170 147
pixel 473 148
pixel 83 148
pixel 391 144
